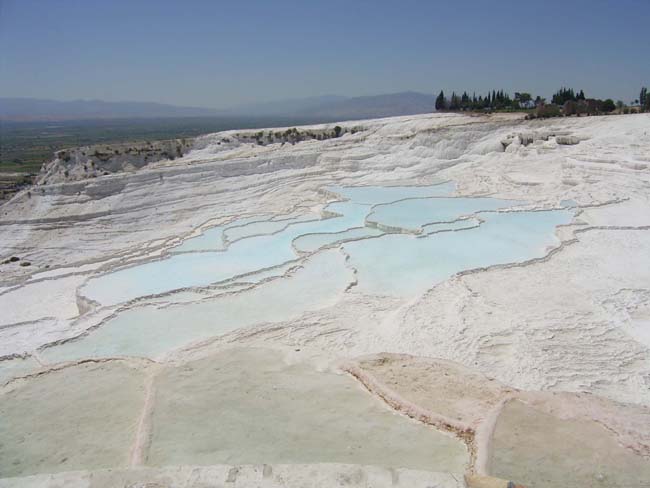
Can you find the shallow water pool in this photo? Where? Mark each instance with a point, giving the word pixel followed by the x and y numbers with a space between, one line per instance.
pixel 281 267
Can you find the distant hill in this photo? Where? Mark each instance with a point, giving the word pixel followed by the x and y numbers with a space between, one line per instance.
pixel 290 106
pixel 406 103
pixel 32 109
pixel 333 107
pixel 323 108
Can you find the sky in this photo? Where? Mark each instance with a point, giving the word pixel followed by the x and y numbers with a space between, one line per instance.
pixel 222 53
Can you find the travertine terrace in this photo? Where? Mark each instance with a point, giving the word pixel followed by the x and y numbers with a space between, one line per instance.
pixel 397 302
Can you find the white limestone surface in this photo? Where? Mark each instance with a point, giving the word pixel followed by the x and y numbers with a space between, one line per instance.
pixel 568 315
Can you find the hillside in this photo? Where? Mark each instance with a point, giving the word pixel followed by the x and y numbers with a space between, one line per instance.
pixel 325 108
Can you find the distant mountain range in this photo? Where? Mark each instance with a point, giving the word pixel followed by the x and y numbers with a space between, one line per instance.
pixel 38 109
pixel 293 106
pixel 388 105
pixel 326 108
pixel 334 107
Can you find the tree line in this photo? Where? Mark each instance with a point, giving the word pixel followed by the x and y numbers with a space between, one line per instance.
pixel 494 100
pixel 565 101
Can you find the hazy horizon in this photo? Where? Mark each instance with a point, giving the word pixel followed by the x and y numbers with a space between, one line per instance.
pixel 224 108
pixel 224 55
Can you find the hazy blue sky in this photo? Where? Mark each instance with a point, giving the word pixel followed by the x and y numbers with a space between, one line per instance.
pixel 218 54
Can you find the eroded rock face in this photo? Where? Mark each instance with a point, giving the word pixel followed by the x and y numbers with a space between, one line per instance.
pixel 98 160
pixel 103 159
pixel 528 138
pixel 292 135
pixel 11 183
pixel 567 140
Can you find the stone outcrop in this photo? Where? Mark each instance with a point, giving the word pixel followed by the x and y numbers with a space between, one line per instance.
pixel 527 138
pixel 11 183
pixel 103 159
pixel 293 135
pixel 567 140
pixel 98 160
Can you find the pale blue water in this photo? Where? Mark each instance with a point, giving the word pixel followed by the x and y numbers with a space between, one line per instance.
pixel 384 194
pixel 217 238
pixel 210 240
pixel 313 242
pixel 388 264
pixel 400 264
pixel 449 226
pixel 266 227
pixel 413 214
pixel 151 331
pixel 568 203
pixel 201 269
pixel 503 238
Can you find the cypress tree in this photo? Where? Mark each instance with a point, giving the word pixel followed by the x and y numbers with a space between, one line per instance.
pixel 440 101
pixel 464 101
pixel 454 103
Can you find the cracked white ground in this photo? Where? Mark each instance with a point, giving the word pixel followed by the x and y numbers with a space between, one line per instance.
pixel 425 297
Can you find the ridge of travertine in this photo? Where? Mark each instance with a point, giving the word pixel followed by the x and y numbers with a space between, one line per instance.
pixel 570 323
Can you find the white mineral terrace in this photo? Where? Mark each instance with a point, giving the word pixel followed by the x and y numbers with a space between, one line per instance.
pixel 424 301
